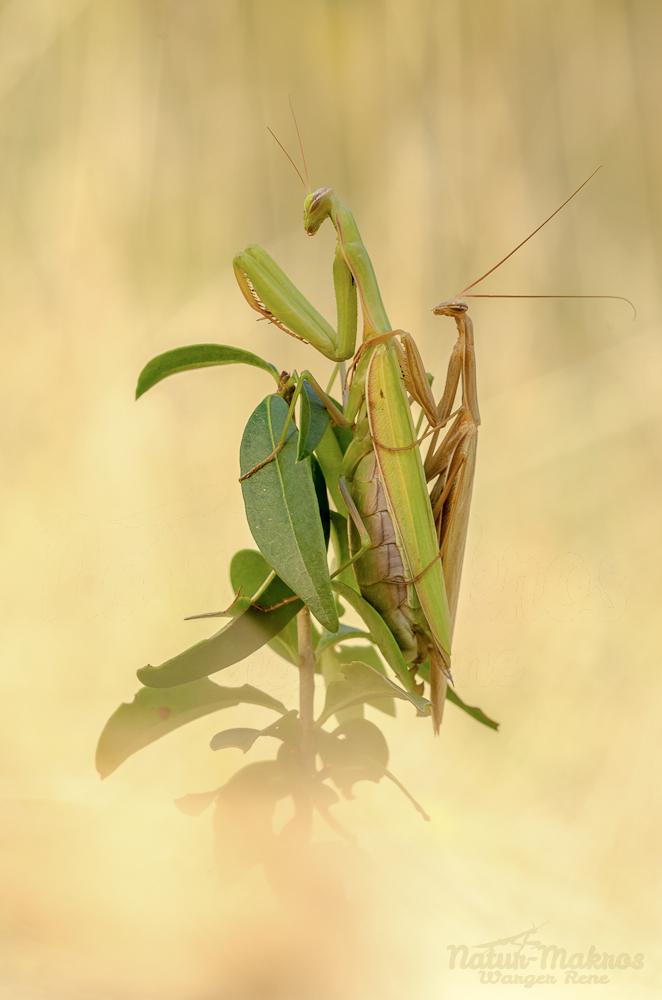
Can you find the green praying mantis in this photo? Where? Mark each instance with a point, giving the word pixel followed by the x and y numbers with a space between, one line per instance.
pixel 406 538
pixel 408 516
pixel 399 532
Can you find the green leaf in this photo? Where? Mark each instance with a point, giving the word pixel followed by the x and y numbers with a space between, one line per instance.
pixel 287 729
pixel 322 796
pixel 329 639
pixel 154 713
pixel 341 549
pixel 248 571
pixel 369 655
pixel 379 630
pixel 243 830
pixel 362 683
pixel 275 606
pixel 329 455
pixel 241 738
pixel 184 359
pixel 283 512
pixel 357 751
pixel 313 421
pixel 322 498
pixel 238 606
pixel 351 742
pixel 330 666
pixel 285 644
pixel 352 712
pixel 475 713
pixel 263 778
pixel 196 803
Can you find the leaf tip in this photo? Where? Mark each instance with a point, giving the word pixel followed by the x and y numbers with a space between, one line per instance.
pixel 142 385
pixel 102 770
pixel 140 672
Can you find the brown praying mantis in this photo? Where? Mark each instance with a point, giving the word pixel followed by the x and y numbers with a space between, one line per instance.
pixel 408 516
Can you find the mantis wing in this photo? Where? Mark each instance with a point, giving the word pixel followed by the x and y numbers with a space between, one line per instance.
pixel 403 479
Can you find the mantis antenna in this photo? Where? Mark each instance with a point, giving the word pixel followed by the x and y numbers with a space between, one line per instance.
pixel 306 182
pixel 288 156
pixel 620 298
pixel 474 295
pixel 303 155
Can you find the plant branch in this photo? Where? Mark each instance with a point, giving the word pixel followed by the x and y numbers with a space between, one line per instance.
pixel 306 691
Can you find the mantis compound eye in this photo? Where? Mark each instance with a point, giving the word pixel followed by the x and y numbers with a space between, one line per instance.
pixel 314 201
pixel 453 307
pixel 316 208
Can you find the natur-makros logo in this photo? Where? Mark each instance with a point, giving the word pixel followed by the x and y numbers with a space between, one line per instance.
pixel 522 960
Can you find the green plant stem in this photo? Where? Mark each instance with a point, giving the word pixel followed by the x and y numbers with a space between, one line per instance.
pixel 303 806
pixel 306 692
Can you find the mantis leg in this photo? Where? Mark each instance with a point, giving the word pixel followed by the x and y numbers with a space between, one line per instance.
pixel 283 436
pixel 269 291
pixel 445 406
pixel 454 520
pixel 336 416
pixel 366 541
pixel 453 463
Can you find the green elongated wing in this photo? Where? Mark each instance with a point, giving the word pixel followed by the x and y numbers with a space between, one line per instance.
pixel 403 479
pixel 283 512
pixel 184 359
pixel 152 714
pixel 274 607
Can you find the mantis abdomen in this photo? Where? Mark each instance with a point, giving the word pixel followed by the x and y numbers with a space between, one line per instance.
pixel 380 572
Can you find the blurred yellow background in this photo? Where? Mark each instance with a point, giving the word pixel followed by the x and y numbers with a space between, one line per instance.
pixel 134 162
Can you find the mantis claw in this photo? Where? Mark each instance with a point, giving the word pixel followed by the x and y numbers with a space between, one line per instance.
pixel 260 465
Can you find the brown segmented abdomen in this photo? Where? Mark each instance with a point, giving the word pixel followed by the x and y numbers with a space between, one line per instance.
pixel 381 573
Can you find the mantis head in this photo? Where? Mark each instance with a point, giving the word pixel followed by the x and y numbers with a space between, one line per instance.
pixel 316 208
pixel 454 307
